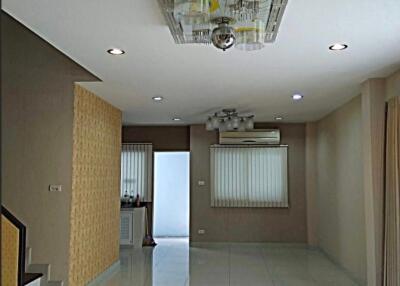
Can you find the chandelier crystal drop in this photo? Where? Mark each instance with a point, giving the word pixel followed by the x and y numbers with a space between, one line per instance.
pixel 229 120
pixel 244 24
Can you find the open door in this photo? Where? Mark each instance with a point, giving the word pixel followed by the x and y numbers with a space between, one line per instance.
pixel 171 194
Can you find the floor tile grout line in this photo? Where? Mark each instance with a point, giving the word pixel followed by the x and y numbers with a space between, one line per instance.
pixel 312 278
pixel 288 262
pixel 266 266
pixel 229 265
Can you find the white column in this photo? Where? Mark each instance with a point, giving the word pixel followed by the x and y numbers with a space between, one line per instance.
pixel 373 113
pixel 311 183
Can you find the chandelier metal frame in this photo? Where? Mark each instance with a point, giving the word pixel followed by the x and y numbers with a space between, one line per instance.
pixel 203 35
pixel 228 119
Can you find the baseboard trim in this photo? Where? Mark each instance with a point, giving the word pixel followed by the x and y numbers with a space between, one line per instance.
pixel 239 243
pixel 105 274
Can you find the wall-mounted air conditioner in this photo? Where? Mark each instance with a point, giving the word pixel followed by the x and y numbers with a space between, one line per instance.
pixel 256 136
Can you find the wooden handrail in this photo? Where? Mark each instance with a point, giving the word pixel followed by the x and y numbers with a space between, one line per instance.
pixel 22 243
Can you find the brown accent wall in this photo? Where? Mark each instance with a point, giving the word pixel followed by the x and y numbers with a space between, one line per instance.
pixel 36 149
pixel 248 224
pixel 95 205
pixel 164 138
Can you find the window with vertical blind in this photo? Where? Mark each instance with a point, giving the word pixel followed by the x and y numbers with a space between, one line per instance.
pixel 249 176
pixel 136 170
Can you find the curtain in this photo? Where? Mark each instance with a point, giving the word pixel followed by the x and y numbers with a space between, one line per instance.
pixel 136 171
pixel 243 176
pixel 392 196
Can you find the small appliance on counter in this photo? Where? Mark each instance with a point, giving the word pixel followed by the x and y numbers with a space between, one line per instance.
pixel 129 201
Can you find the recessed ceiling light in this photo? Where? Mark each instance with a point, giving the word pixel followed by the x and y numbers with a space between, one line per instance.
pixel 338 47
pixel 115 52
pixel 278 118
pixel 176 119
pixel 297 96
pixel 158 98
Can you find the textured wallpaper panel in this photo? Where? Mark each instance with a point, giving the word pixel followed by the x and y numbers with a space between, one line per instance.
pixel 94 243
pixel 9 253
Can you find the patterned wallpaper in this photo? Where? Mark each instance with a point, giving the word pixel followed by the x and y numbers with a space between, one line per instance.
pixel 94 243
pixel 9 253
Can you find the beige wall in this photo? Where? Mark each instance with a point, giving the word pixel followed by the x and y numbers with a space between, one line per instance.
pixel 95 206
pixel 373 95
pixel 356 246
pixel 311 183
pixel 393 85
pixel 247 224
pixel 36 148
pixel 341 220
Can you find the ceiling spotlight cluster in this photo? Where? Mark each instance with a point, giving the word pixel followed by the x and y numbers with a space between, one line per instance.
pixel 229 120
pixel 158 98
pixel 338 47
pixel 297 96
pixel 115 52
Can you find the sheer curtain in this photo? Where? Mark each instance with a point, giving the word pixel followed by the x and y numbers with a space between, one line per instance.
pixel 244 176
pixel 136 170
pixel 392 196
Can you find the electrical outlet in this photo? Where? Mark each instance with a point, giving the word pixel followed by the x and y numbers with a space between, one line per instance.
pixel 55 188
pixel 201 231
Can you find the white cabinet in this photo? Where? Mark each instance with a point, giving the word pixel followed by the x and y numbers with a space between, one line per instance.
pixel 126 228
pixel 132 229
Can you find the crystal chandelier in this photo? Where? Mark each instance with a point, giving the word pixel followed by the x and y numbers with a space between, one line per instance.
pixel 244 24
pixel 229 120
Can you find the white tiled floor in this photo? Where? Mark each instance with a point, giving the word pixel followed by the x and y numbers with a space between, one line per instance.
pixel 174 263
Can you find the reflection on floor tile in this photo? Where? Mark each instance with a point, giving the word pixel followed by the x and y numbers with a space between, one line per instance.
pixel 174 263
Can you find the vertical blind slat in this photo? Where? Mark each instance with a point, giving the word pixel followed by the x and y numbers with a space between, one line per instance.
pixel 249 176
pixel 136 173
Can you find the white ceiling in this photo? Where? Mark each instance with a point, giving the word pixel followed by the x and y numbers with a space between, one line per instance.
pixel 197 80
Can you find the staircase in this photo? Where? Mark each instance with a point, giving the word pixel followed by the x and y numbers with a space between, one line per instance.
pixel 26 273
pixel 44 269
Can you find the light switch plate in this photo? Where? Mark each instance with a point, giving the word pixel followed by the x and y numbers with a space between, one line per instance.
pixel 201 183
pixel 201 231
pixel 55 188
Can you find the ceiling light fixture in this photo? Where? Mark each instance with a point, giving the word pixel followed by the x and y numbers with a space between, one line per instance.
pixel 223 37
pixel 158 98
pixel 297 96
pixel 176 119
pixel 338 47
pixel 229 120
pixel 115 52
pixel 278 118
pixel 244 24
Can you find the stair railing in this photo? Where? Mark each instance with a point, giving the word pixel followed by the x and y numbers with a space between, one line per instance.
pixel 21 244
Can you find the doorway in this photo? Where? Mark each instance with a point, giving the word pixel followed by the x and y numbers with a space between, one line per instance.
pixel 171 194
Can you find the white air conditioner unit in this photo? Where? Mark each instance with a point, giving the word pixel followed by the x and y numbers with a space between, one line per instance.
pixel 256 136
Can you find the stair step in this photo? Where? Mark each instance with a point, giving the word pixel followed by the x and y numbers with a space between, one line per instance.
pixel 30 277
pixel 55 283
